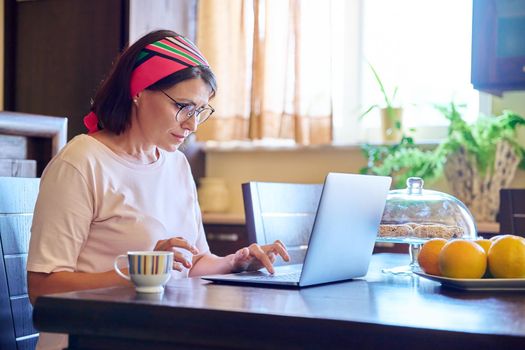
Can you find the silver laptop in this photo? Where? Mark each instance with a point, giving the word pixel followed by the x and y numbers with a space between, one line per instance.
pixel 342 237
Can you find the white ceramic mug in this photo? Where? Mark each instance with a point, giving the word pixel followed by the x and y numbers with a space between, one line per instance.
pixel 148 270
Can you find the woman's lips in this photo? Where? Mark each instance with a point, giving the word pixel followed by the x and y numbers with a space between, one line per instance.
pixel 179 137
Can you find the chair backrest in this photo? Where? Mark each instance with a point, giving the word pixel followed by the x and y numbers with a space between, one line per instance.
pixel 45 135
pixel 512 211
pixel 17 203
pixel 283 211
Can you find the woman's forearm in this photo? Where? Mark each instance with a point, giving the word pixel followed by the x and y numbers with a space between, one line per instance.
pixel 57 282
pixel 210 264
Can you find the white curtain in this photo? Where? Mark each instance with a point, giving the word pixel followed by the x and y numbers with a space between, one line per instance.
pixel 273 63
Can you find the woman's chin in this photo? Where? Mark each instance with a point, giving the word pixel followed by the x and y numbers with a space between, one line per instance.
pixel 170 148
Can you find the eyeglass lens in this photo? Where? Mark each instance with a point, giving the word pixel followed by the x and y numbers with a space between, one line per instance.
pixel 189 111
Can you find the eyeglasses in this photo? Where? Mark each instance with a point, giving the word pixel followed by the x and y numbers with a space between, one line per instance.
pixel 188 110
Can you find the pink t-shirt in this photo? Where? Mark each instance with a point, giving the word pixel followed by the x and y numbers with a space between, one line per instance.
pixel 94 205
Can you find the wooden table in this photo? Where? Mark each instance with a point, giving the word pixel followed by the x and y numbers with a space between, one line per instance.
pixel 379 312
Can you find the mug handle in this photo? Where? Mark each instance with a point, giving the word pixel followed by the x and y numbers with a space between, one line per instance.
pixel 115 265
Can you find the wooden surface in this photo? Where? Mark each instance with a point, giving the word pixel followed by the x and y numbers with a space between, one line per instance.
pixel 379 312
pixel 73 44
pixel 225 232
pixel 13 147
pixel 225 239
pixel 223 218
pixel 45 135
pixel 512 211
pixel 18 167
pixel 55 128
pixel 488 227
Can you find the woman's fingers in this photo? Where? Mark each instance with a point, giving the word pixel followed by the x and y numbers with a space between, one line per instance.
pixel 177 266
pixel 256 256
pixel 257 251
pixel 179 242
pixel 176 242
pixel 159 245
pixel 279 248
pixel 181 258
pixel 178 245
pixel 243 253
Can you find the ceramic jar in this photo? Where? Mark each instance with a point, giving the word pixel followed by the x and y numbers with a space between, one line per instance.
pixel 213 195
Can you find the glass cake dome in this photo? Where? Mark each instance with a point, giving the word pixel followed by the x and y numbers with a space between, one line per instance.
pixel 414 215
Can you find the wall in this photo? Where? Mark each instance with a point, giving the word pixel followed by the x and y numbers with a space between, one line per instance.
pixel 514 101
pixel 302 166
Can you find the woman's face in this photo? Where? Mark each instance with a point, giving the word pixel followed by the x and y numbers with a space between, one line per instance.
pixel 156 113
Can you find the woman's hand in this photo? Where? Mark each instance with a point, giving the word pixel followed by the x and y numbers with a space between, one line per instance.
pixel 178 245
pixel 254 257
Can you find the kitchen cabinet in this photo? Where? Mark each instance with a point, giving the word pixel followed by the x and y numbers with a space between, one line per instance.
pixel 225 233
pixel 498 45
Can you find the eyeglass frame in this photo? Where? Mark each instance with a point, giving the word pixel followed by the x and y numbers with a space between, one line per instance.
pixel 195 112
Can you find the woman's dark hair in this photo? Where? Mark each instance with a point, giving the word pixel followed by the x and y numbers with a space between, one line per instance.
pixel 112 103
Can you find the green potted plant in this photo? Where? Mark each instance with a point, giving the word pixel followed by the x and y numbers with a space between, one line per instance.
pixel 477 159
pixel 391 114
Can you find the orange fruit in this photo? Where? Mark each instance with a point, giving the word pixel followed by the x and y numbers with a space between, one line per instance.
pixel 484 243
pixel 506 257
pixel 495 238
pixel 461 258
pixel 428 257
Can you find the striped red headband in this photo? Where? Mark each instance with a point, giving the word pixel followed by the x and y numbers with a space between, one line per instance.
pixel 155 62
pixel 162 58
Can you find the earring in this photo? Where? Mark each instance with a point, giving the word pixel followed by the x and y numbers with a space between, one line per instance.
pixel 136 101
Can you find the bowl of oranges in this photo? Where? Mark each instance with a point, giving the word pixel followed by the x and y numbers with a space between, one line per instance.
pixel 496 263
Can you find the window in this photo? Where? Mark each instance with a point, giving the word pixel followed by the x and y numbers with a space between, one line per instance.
pixel 313 74
pixel 422 47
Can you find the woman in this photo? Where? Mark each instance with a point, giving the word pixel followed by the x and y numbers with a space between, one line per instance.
pixel 126 187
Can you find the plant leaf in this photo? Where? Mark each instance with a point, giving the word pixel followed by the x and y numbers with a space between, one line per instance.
pixel 480 139
pixel 381 87
pixel 362 115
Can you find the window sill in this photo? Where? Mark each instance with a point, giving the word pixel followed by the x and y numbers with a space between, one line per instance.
pixel 285 146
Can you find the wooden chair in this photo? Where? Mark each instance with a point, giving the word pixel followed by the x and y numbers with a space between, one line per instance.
pixel 29 136
pixel 512 212
pixel 17 202
pixel 283 211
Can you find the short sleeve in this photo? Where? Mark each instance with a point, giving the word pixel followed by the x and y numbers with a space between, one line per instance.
pixel 62 219
pixel 201 242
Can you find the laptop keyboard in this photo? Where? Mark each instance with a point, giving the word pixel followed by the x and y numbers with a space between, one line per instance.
pixel 286 277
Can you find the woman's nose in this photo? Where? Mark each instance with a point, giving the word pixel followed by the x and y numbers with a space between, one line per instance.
pixel 190 124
